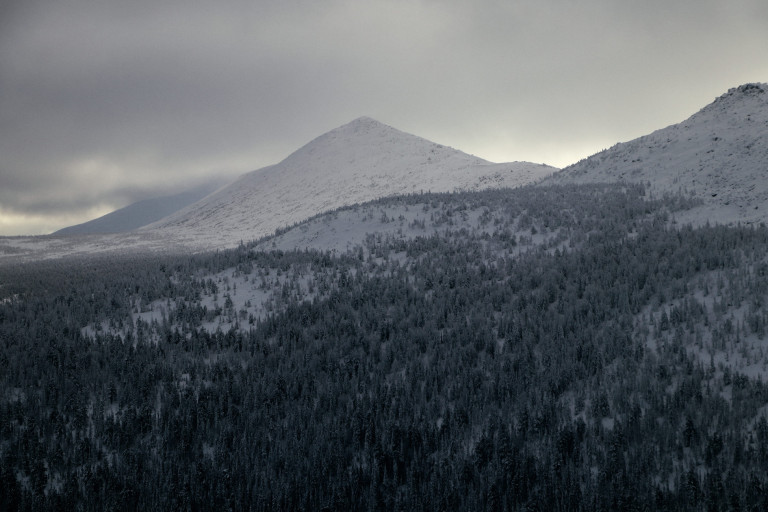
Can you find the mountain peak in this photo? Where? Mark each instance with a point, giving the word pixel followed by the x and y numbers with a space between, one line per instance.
pixel 354 163
pixel 751 88
pixel 740 94
pixel 365 121
pixel 363 143
pixel 718 154
pixel 362 125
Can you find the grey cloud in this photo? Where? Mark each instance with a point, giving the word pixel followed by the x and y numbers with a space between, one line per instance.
pixel 108 101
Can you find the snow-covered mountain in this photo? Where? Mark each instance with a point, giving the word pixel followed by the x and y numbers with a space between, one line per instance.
pixel 141 213
pixel 720 154
pixel 357 162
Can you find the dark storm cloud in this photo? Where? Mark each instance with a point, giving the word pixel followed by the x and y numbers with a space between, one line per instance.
pixel 105 103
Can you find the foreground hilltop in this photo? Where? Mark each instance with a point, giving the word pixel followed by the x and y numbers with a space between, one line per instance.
pixel 357 162
pixel 719 154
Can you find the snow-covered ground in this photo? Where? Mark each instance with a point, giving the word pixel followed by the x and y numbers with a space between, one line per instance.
pixel 241 298
pixel 27 248
pixel 358 162
pixel 722 339
pixel 350 228
pixel 720 154
pixel 250 292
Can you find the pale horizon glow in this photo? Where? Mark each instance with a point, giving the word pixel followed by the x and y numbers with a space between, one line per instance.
pixel 14 224
pixel 107 104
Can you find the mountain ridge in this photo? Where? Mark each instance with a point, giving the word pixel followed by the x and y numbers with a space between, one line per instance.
pixel 719 154
pixel 357 162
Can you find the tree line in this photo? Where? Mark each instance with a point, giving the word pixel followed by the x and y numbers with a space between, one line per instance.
pixel 452 371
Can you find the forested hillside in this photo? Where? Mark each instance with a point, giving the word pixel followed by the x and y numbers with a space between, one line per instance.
pixel 549 348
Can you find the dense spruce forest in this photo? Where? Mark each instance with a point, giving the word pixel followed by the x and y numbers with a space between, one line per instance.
pixel 552 348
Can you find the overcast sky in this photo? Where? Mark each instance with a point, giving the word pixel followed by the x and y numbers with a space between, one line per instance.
pixel 103 103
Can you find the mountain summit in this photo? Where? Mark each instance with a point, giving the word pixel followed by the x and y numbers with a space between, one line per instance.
pixel 357 162
pixel 720 154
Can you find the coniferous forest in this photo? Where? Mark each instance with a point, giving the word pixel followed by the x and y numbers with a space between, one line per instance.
pixel 552 348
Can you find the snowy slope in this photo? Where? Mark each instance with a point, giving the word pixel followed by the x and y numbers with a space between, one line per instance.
pixel 357 162
pixel 719 154
pixel 140 213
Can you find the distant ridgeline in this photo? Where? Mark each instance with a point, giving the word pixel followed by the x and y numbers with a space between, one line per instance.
pixel 563 347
